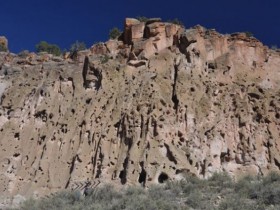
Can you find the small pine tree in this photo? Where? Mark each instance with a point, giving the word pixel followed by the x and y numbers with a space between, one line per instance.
pixel 115 33
pixel 3 48
pixel 249 34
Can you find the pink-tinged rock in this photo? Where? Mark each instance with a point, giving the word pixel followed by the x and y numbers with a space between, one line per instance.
pixel 129 22
pixel 137 31
pixel 98 49
pixel 161 42
pixel 153 20
pixel 144 49
pixel 113 46
pixel 155 28
pixel 124 52
pixel 171 30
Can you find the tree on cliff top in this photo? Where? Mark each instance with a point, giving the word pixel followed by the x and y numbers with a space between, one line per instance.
pixel 3 48
pixel 115 33
pixel 77 46
pixel 44 46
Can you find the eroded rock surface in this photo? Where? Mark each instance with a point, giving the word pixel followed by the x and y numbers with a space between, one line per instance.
pixel 167 103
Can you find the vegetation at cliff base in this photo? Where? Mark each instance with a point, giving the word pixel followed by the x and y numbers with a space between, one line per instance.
pixel 217 193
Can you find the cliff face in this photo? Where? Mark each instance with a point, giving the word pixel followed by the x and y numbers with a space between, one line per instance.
pixel 160 103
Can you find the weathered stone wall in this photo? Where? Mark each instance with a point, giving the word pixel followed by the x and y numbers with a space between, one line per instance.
pixel 206 103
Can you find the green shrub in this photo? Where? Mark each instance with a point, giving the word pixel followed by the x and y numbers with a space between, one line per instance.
pixel 58 201
pixel 176 21
pixel 218 192
pixel 194 200
pixel 220 181
pixel 77 46
pixel 249 34
pixel 271 178
pixel 238 203
pixel 3 48
pixel 246 186
pixel 43 46
pixel 142 19
pixel 274 47
pixel 115 33
pixel 104 59
pixel 23 54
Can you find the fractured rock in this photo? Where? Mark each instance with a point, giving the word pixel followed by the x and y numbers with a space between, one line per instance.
pixel 128 34
pixel 159 110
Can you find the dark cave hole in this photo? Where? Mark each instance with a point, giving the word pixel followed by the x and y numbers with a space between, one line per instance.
pixel 142 177
pixel 16 155
pixel 88 100
pixel 122 177
pixel 162 177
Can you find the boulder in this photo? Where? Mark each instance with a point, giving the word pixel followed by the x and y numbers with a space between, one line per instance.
pixel 99 49
pixel 153 20
pixel 57 59
pixel 163 42
pixel 171 30
pixel 129 22
pixel 137 31
pixel 155 29
pixel 137 63
pixel 113 46
pixel 144 49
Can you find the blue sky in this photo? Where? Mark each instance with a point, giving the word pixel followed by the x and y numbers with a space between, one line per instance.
pixel 62 22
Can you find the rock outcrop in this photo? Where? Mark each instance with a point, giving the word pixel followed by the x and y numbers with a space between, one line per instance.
pixel 159 105
pixel 149 38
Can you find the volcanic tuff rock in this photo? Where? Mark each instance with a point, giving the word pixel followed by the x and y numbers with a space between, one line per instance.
pixel 158 104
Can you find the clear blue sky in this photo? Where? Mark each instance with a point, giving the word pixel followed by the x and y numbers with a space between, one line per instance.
pixel 62 22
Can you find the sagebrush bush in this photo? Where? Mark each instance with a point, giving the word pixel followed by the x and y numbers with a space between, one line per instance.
pixel 216 193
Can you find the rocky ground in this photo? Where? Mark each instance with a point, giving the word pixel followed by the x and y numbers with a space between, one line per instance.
pixel 160 103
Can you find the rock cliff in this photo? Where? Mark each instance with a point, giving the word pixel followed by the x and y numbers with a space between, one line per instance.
pixel 158 104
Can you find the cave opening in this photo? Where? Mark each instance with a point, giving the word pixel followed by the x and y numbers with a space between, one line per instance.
pixel 162 177
pixel 143 175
